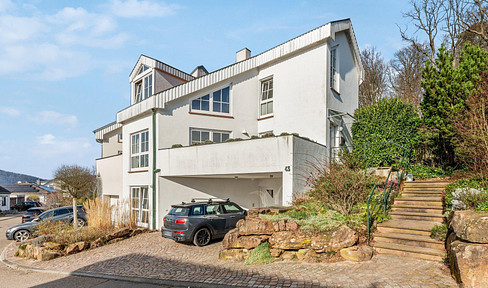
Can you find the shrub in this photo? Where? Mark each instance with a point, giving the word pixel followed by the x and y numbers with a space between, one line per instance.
pixel 208 142
pixel 254 137
pixel 285 134
pixel 466 194
pixel 439 232
pixel 176 146
pixel 33 198
pixel 340 186
pixel 259 255
pixel 390 122
pixel 195 144
pixel 268 134
pixel 425 172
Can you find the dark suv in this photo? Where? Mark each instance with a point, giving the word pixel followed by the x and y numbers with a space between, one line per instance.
pixel 24 231
pixel 200 222
pixel 26 205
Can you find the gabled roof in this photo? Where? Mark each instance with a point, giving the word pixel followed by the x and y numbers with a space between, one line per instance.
pixel 3 190
pixel 20 188
pixel 153 63
pixel 158 101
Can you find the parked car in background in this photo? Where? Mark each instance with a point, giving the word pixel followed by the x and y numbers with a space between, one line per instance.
pixel 26 205
pixel 200 222
pixel 32 213
pixel 24 231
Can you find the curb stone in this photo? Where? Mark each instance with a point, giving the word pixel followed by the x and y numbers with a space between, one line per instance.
pixel 140 280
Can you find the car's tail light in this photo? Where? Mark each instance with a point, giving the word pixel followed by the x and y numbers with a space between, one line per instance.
pixel 178 232
pixel 180 221
pixel 164 219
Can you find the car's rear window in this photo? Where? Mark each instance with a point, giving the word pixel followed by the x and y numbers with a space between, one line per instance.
pixel 179 211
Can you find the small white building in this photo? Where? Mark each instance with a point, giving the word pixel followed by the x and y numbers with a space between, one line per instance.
pixel 4 199
pixel 307 85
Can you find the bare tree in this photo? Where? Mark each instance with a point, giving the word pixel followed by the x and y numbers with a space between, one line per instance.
pixel 375 83
pixel 406 74
pixel 473 20
pixel 427 17
pixel 77 181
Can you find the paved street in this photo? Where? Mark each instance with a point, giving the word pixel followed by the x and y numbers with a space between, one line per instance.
pixel 19 278
pixel 151 256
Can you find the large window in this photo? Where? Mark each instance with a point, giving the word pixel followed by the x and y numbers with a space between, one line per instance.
pixel 201 135
pixel 217 101
pixel 140 205
pixel 266 97
pixel 334 68
pixel 139 150
pixel 143 88
pixel 3 201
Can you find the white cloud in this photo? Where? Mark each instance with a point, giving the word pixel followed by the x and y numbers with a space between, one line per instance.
pixel 53 117
pixel 144 8
pixel 6 5
pixel 9 111
pixel 50 146
pixel 54 46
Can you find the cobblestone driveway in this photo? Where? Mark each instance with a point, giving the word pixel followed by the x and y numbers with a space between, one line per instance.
pixel 151 256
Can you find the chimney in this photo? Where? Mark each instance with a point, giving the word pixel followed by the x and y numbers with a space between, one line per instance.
pixel 243 54
pixel 199 71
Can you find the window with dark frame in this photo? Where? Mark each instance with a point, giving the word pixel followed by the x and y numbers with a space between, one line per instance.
pixel 201 135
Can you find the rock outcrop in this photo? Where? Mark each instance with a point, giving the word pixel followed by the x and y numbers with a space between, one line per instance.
pixel 468 248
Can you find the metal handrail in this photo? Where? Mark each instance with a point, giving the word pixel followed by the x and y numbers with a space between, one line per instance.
pixel 386 192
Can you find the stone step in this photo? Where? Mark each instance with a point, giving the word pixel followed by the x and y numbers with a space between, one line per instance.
pixel 432 199
pixel 417 209
pixel 417 216
pixel 418 202
pixel 420 194
pixel 410 225
pixel 409 239
pixel 402 231
pixel 426 188
pixel 426 184
pixel 410 251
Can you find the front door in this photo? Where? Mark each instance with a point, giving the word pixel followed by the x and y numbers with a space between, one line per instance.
pixel 140 205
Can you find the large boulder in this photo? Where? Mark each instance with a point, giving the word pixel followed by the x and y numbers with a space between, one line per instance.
pixel 119 234
pixel 471 226
pixel 254 226
pixel 47 254
pixel 289 240
pixel 469 263
pixel 72 249
pixel 53 245
pixel 334 240
pixel 251 242
pixel 357 253
pixel 233 254
pixel 230 239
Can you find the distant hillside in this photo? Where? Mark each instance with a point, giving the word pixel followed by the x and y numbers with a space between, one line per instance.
pixel 12 178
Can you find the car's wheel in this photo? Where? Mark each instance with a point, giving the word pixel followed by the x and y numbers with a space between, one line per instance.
pixel 81 222
pixel 202 237
pixel 21 235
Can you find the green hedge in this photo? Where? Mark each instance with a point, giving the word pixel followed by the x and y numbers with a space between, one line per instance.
pixel 385 131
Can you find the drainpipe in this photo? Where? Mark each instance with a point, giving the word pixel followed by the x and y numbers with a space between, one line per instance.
pixel 154 170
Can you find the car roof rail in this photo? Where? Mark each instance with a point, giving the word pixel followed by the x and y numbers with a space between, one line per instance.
pixel 209 200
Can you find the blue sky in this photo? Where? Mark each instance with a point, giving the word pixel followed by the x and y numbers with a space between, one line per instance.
pixel 64 65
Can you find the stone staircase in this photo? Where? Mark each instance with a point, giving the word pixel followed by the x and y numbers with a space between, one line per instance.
pixel 412 217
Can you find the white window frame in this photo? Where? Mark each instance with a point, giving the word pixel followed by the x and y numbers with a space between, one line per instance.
pixel 262 92
pixel 211 136
pixel 141 210
pixel 140 83
pixel 211 102
pixel 139 150
pixel 334 69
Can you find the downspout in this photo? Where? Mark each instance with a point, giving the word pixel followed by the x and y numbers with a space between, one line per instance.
pixel 154 170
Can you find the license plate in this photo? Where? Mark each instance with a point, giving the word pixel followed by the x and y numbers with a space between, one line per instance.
pixel 167 233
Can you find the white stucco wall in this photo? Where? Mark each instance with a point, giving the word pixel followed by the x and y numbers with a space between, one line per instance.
pixel 110 174
pixel 298 94
pixel 111 144
pixel 5 207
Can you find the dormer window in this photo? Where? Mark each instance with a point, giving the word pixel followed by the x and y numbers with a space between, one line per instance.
pixel 143 88
pixel 142 69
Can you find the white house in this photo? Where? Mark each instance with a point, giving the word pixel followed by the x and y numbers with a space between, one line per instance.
pixel 307 85
pixel 4 199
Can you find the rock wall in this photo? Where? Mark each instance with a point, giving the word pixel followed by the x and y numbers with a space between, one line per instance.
pixel 468 248
pixel 287 241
